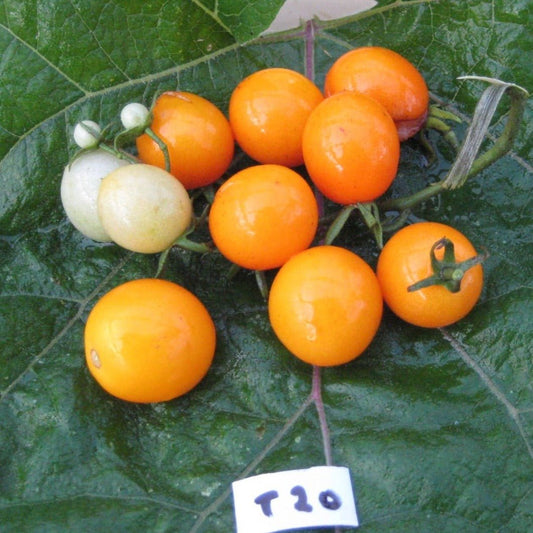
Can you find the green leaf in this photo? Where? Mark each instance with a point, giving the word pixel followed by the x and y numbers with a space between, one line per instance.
pixel 436 426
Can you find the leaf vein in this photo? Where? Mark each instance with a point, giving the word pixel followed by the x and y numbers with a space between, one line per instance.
pixel 512 411
pixel 215 504
pixel 66 328
pixel 100 46
pixel 44 59
pixel 213 15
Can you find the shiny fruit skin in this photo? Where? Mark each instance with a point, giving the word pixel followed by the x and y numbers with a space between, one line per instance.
pixel 351 148
pixel 198 138
pixel 80 185
pixel 149 340
pixel 325 305
pixel 143 208
pixel 263 215
pixel 405 260
pixel 386 76
pixel 268 111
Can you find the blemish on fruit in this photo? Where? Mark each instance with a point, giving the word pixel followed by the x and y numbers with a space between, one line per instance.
pixel 95 359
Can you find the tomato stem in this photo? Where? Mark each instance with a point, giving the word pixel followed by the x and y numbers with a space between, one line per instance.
pixel 394 223
pixel 447 272
pixel 260 278
pixel 163 256
pixel 125 137
pixel 162 146
pixel 370 214
pixel 200 247
pixel 434 123
pixel 461 170
pixel 437 112
pixel 118 153
pixel 467 164
pixel 408 202
pixel 233 270
pixel 338 223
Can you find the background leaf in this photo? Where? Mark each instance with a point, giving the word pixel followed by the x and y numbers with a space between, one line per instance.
pixel 436 426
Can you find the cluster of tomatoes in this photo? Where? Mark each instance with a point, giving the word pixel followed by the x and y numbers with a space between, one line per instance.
pixel 151 340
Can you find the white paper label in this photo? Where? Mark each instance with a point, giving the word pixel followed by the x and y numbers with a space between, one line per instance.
pixel 313 497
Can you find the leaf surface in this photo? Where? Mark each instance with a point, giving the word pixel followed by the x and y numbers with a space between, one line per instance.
pixel 435 426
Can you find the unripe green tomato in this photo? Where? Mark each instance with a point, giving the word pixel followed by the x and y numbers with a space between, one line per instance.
pixel 79 191
pixel 143 208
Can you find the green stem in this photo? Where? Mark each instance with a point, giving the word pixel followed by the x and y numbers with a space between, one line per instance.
pixel 434 123
pixel 443 114
pixel 260 278
pixel 161 262
pixel 504 142
pixel 394 223
pixel 118 153
pixel 161 144
pixel 408 202
pixel 184 243
pixel 193 246
pixel 233 270
pixel 467 164
pixel 338 223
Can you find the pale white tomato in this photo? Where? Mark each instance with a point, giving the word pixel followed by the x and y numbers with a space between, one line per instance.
pixel 143 208
pixel 79 191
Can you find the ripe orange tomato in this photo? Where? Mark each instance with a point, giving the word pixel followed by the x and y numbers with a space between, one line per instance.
pixel 325 305
pixel 263 215
pixel 351 148
pixel 406 260
pixel 386 76
pixel 197 135
pixel 149 340
pixel 268 111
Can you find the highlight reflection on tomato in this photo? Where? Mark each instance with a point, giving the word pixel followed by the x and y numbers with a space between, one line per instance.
pixel 351 148
pixel 387 77
pixel 197 135
pixel 325 305
pixel 149 340
pixel 268 111
pixel 263 215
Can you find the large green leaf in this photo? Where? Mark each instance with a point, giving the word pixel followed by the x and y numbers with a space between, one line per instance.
pixel 435 426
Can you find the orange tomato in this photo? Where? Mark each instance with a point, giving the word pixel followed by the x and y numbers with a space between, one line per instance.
pixel 149 340
pixel 405 260
pixel 198 137
pixel 325 305
pixel 268 111
pixel 263 215
pixel 351 148
pixel 386 76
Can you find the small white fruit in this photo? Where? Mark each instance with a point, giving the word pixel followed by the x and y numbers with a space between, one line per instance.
pixel 143 208
pixel 79 191
pixel 134 115
pixel 87 134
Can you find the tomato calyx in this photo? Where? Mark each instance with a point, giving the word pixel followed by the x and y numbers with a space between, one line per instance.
pixel 447 272
pixel 371 217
